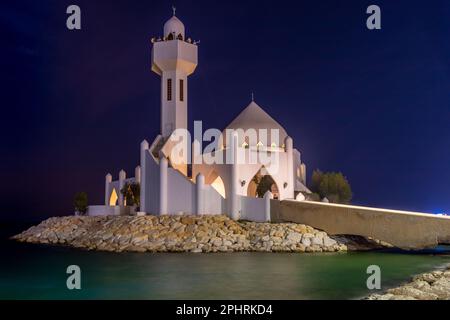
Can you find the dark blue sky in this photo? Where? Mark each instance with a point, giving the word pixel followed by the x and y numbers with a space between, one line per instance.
pixel 372 104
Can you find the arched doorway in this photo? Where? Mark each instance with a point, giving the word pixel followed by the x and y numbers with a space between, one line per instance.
pixel 261 183
pixel 113 198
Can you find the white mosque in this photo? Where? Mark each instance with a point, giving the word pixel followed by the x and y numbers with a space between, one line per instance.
pixel 179 176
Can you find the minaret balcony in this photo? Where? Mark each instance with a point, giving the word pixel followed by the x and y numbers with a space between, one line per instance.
pixel 174 55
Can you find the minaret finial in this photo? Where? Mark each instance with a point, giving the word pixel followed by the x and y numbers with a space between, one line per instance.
pixel 253 97
pixel 174 9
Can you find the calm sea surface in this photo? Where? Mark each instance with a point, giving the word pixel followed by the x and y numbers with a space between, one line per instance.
pixel 39 272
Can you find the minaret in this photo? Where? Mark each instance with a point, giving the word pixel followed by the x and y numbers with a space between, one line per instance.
pixel 174 58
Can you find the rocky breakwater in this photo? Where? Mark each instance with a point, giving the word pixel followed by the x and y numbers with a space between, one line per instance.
pixel 427 286
pixel 180 234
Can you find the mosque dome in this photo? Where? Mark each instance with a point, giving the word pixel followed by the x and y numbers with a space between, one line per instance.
pixel 254 117
pixel 175 27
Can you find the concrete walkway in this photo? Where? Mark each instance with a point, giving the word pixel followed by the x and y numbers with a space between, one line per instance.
pixel 403 229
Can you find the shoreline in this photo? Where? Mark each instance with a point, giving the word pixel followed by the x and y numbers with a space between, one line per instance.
pixel 216 234
pixel 196 234
pixel 432 285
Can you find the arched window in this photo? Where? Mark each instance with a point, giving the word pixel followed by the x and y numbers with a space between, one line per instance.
pixel 181 90
pixel 170 36
pixel 180 37
pixel 113 198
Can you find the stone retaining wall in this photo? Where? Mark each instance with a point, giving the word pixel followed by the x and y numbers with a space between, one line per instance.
pixel 180 234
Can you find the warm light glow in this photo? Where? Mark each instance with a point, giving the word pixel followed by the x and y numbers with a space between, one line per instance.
pixel 273 145
pixel 113 199
pixel 251 189
pixel 244 145
pixel 259 144
pixel 219 186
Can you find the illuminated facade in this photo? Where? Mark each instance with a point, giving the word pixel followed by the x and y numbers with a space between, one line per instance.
pixel 252 147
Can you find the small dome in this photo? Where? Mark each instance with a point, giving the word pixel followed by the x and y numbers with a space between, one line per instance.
pixel 175 27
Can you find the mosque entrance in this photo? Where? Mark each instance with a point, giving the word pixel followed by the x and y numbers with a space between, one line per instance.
pixel 261 183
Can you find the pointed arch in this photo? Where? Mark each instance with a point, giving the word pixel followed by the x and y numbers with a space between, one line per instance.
pixel 261 181
pixel 113 199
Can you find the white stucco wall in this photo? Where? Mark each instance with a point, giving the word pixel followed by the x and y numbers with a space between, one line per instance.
pixel 182 196
pixel 181 193
pixel 151 180
pixel 109 210
pixel 246 171
pixel 252 209
pixel 214 203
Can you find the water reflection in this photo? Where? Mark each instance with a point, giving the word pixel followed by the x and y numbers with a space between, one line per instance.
pixel 38 272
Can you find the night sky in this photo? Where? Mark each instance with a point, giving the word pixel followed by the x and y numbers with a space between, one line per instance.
pixel 374 105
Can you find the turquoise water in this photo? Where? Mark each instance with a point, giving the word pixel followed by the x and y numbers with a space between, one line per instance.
pixel 39 272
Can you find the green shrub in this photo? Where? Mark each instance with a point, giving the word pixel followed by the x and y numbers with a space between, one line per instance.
pixel 80 202
pixel 332 185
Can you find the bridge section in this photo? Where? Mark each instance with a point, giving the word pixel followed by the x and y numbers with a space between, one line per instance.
pixel 403 229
